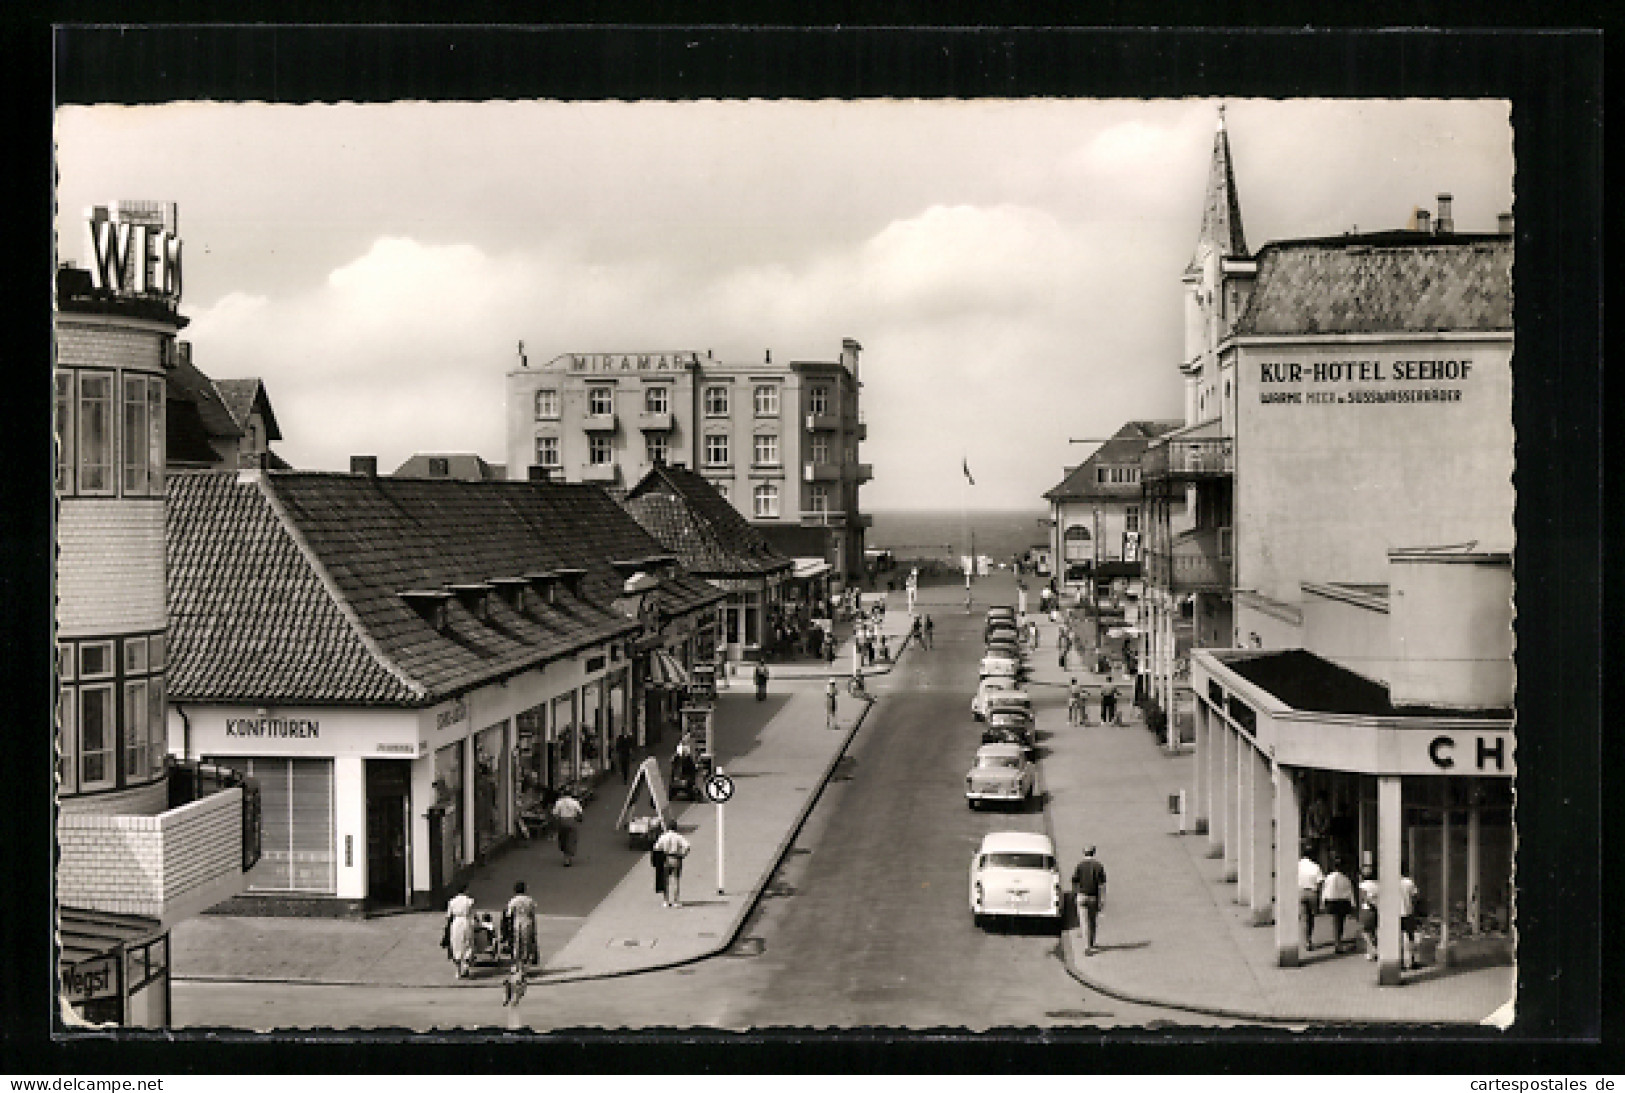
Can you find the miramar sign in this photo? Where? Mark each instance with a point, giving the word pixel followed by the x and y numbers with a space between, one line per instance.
pixel 632 362
pixel 1300 383
pixel 135 250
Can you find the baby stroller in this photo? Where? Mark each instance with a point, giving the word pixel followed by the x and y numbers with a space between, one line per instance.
pixel 493 940
pixel 685 777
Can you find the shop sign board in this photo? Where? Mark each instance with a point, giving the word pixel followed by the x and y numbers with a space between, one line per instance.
pixel 91 979
pixel 133 259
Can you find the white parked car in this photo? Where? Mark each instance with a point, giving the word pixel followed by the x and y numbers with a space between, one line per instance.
pixel 990 686
pixel 994 665
pixel 1000 773
pixel 1014 873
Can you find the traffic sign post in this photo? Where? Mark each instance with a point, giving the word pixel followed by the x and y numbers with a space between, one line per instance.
pixel 718 788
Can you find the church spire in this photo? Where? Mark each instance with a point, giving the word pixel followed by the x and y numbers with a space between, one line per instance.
pixel 1221 211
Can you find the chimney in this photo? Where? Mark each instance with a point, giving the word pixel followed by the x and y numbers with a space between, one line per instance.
pixel 849 356
pixel 1503 223
pixel 538 473
pixel 1445 224
pixel 1421 220
pixel 364 464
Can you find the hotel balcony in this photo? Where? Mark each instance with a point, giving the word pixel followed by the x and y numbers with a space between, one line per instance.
pixel 654 423
pixel 1200 561
pixel 1189 459
pixel 598 423
pixel 860 472
pixel 821 472
pixel 823 423
pixel 168 866
pixel 602 474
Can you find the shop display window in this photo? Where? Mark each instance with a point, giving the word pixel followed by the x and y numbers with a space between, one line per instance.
pixel 296 823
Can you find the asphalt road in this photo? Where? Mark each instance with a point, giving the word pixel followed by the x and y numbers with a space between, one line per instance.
pixel 866 922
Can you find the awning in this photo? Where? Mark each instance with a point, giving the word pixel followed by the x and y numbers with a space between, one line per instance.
pixel 664 670
pixel 810 567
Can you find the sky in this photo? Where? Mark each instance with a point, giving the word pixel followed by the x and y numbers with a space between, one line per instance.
pixel 1011 267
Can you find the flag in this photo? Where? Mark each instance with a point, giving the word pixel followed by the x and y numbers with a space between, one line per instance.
pixel 966 465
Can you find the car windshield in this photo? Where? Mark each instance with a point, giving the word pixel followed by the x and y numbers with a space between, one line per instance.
pixel 997 761
pixel 1017 859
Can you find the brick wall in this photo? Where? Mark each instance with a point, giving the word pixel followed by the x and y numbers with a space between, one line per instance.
pixel 139 864
pixel 110 567
pixel 89 343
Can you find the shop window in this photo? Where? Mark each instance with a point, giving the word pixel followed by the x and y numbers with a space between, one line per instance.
pixel 716 401
pixel 767 450
pixel 97 733
pixel 767 400
pixel 600 400
pixel 64 432
pixel 656 399
pixel 296 824
pixel 547 404
pixel 95 427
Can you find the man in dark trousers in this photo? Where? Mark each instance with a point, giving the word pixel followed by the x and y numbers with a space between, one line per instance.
pixel 1089 891
pixel 761 680
pixel 929 628
pixel 623 756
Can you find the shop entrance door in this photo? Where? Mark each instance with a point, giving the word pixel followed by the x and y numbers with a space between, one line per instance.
pixel 388 804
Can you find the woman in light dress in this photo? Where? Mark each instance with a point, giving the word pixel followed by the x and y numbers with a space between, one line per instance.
pixel 460 913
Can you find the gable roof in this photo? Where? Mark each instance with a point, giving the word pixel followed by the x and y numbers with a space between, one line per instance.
pixel 187 383
pixel 1125 446
pixel 341 549
pixel 692 520
pixel 244 396
pixel 1390 282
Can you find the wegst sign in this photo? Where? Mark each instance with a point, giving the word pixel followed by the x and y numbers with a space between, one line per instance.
pixel 133 258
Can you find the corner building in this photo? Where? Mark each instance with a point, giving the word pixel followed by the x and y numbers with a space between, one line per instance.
pixel 778 441
pixel 143 843
pixel 1352 443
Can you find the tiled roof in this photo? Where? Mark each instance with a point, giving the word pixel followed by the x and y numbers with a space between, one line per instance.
pixel 692 520
pixel 372 538
pixel 249 618
pixel 1394 282
pixel 240 397
pixel 185 382
pixel 1125 446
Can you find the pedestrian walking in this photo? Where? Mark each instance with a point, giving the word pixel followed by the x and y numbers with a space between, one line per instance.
pixel 513 989
pixel 829 648
pixel 761 679
pixel 1408 900
pixel 1108 707
pixel 1368 911
pixel 567 811
pixel 830 703
pixel 1310 878
pixel 1089 893
pixel 458 937
pixel 1074 703
pixel 885 650
pixel 623 755
pixel 657 859
pixel 520 918
pixel 1032 630
pixel 916 630
pixel 1337 897
pixel 675 848
pixel 929 627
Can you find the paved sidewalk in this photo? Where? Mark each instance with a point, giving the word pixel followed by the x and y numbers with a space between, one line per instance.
pixel 1172 932
pixel 600 917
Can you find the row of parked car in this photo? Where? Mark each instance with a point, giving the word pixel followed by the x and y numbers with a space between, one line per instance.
pixel 1013 874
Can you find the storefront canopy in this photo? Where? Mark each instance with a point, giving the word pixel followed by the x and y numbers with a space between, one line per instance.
pixel 664 670
pixel 810 567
